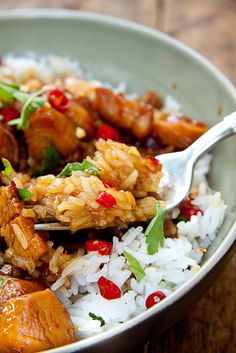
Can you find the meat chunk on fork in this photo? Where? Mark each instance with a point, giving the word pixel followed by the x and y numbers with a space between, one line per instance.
pixel 132 116
pixel 38 321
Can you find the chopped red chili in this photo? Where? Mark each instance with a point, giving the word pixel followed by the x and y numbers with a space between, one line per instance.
pixel 58 100
pixel 103 247
pixel 109 184
pixel 108 289
pixel 154 299
pixel 106 200
pixel 189 211
pixel 107 132
pixel 155 162
pixel 91 245
pixel 9 113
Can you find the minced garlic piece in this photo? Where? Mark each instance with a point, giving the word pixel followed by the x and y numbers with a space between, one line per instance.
pixel 80 133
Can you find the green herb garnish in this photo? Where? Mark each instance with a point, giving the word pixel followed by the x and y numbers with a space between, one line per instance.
pixel 9 92
pixel 99 318
pixel 134 266
pixel 25 193
pixel 85 166
pixel 51 158
pixel 32 103
pixel 155 231
pixel 22 192
pixel 8 168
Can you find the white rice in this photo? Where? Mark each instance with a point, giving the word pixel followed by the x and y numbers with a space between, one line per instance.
pixel 46 68
pixel 167 270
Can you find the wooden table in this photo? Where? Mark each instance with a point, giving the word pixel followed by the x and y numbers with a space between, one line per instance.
pixel 209 27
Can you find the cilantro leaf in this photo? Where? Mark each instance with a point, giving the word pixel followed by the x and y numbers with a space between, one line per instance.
pixel 85 166
pixel 25 193
pixel 99 318
pixel 9 92
pixel 32 103
pixel 134 266
pixel 51 158
pixel 6 92
pixel 22 192
pixel 8 168
pixel 155 231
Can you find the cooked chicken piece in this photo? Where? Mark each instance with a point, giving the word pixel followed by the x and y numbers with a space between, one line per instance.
pixel 26 245
pixel 81 118
pixel 34 322
pixel 8 145
pixel 178 132
pixel 15 287
pixel 87 104
pixel 133 116
pixel 153 99
pixel 48 125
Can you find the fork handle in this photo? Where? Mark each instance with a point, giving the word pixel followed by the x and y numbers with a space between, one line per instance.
pixel 220 131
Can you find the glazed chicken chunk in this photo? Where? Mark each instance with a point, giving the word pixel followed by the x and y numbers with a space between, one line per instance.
pixel 34 321
pixel 133 116
pixel 25 245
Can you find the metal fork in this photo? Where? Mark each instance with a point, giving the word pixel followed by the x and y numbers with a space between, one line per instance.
pixel 178 167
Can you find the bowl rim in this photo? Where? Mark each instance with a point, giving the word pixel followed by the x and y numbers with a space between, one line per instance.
pixel 229 240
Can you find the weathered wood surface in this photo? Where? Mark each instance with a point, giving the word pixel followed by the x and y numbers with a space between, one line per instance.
pixel 209 27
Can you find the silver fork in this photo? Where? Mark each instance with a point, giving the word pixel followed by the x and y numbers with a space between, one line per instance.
pixel 178 167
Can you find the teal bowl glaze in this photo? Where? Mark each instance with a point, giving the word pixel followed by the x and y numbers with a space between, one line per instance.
pixel 115 50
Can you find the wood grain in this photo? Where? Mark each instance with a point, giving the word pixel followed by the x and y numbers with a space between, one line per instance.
pixel 209 27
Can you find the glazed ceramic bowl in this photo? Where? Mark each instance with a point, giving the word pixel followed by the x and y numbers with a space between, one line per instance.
pixel 115 50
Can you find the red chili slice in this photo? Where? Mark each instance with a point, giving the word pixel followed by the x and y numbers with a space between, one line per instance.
pixel 9 113
pixel 103 247
pixel 91 245
pixel 58 100
pixel 109 184
pixel 108 289
pixel 154 299
pixel 106 200
pixel 155 162
pixel 189 211
pixel 107 132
